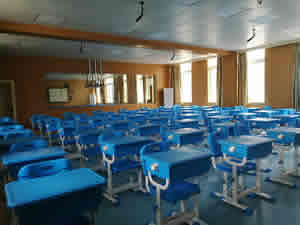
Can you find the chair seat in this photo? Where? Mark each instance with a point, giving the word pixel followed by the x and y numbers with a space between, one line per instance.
pixel 249 168
pixel 124 165
pixel 178 191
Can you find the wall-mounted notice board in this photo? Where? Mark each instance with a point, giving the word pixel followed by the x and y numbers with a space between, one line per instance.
pixel 58 95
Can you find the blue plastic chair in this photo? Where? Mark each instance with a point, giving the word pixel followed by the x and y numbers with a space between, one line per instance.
pixel 5 119
pixel 34 144
pixel 45 168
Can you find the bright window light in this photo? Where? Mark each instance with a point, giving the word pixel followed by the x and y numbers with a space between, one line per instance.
pixel 109 89
pixel 125 89
pixel 256 76
pixel 186 82
pixel 212 80
pixel 140 88
pixel 98 94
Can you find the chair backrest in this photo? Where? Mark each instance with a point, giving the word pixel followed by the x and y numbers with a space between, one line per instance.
pixel 27 146
pixel 45 168
pixel 213 137
pixel 267 107
pixel 152 148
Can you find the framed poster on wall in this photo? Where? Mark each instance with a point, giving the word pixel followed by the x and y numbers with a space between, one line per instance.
pixel 58 95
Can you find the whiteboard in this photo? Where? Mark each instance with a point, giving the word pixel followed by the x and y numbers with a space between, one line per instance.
pixel 58 95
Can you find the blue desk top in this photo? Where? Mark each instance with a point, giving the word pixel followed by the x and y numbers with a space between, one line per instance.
pixel 289 116
pixel 187 131
pixel 245 140
pixel 149 125
pixel 225 124
pixel 8 123
pixel 264 120
pixel 125 140
pixel 246 114
pixel 94 131
pixel 14 140
pixel 266 111
pixel 287 130
pixel 34 155
pixel 188 121
pixel 174 157
pixel 25 192
pixel 220 117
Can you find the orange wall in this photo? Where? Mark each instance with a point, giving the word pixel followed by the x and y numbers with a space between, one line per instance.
pixel 229 71
pixel 279 75
pixel 31 88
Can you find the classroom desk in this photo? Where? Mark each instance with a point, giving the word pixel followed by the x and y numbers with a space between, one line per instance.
pixel 213 113
pixel 253 109
pixel 123 146
pixel 117 154
pixel 7 123
pixel 5 144
pixel 245 115
pixel 184 136
pixel 266 113
pixel 149 129
pixel 5 133
pixel 188 123
pixel 286 139
pixel 54 199
pixel 241 149
pixel 229 125
pixel 16 160
pixel 289 119
pixel 158 119
pixel 177 165
pixel 263 123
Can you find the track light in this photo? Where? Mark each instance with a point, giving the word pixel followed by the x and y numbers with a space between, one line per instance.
pixel 253 35
pixel 173 55
pixel 141 3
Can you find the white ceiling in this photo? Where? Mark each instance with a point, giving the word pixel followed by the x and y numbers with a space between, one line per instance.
pixel 225 24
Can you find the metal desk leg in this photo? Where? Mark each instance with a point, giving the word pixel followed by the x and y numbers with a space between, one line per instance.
pixel 283 174
pixel 258 182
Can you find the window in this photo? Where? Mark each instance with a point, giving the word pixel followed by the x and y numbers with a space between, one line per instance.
pixel 186 82
pixel 212 80
pixel 149 89
pixel 109 89
pixel 256 76
pixel 98 95
pixel 140 88
pixel 125 89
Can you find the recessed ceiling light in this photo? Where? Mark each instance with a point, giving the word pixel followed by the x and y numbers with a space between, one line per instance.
pixel 49 19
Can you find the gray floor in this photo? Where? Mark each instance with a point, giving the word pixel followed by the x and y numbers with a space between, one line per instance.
pixel 136 208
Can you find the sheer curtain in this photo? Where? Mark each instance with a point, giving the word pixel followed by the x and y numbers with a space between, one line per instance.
pixel 296 79
pixel 176 83
pixel 219 81
pixel 242 78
